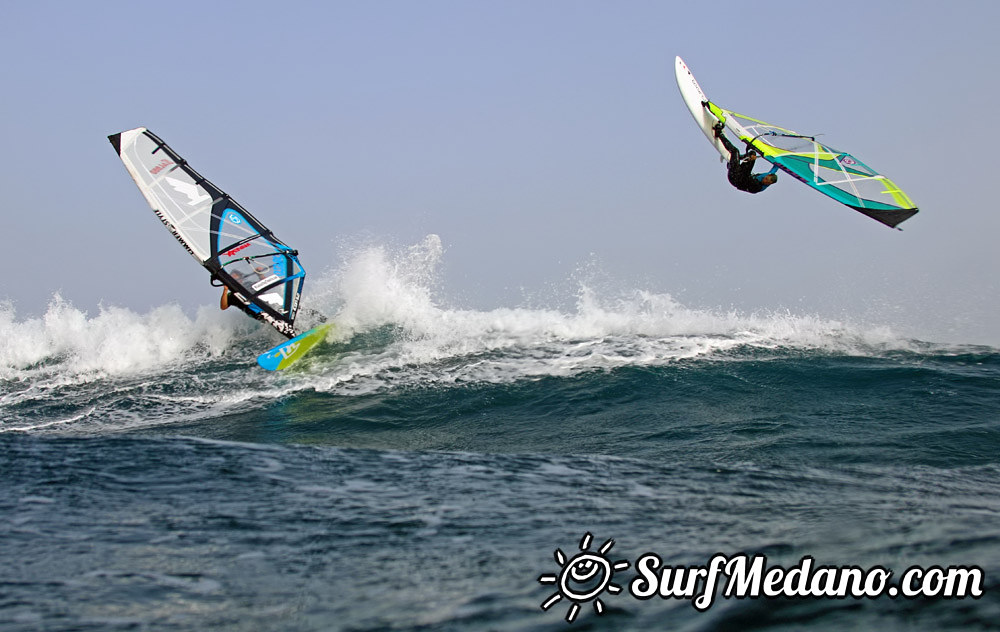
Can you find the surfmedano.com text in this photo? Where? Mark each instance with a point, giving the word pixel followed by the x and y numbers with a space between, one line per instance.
pixel 747 577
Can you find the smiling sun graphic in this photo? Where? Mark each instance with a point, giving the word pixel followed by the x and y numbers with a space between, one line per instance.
pixel 583 577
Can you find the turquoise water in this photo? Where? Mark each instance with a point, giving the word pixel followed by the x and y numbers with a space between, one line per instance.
pixel 420 470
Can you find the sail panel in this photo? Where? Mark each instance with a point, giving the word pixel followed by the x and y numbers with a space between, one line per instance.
pixel 182 204
pixel 266 271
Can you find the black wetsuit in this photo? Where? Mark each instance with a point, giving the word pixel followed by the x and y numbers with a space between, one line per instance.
pixel 741 169
pixel 235 302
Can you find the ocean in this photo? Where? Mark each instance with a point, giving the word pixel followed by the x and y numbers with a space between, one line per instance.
pixel 434 468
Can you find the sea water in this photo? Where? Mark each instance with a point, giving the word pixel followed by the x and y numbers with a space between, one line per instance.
pixel 424 468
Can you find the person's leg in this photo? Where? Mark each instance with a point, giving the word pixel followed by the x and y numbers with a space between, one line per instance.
pixel 734 153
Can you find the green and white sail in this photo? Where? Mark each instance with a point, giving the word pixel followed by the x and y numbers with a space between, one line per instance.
pixel 830 171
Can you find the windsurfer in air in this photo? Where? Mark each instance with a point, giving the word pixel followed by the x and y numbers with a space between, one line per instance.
pixel 740 167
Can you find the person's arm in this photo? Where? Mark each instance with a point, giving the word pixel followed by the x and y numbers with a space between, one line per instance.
pixel 224 301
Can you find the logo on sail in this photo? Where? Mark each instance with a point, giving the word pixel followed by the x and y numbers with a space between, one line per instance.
pixel 161 166
pixel 193 193
pixel 230 253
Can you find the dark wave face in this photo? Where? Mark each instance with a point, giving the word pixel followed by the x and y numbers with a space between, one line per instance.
pixel 425 466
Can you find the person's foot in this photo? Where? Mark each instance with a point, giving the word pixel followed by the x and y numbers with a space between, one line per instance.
pixel 718 127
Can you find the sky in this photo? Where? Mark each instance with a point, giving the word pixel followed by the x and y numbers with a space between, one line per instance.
pixel 545 143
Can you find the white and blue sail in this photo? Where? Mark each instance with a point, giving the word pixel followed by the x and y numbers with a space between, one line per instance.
pixel 263 274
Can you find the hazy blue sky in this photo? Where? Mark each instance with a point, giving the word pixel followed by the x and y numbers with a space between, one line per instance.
pixel 535 137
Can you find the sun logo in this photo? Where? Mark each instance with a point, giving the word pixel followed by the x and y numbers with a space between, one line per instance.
pixel 583 577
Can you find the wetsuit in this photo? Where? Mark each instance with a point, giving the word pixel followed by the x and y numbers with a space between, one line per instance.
pixel 740 169
pixel 232 301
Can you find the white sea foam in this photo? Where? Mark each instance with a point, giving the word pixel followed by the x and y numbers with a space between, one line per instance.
pixel 115 341
pixel 120 368
pixel 435 344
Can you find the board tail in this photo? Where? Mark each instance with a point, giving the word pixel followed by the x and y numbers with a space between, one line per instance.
pixel 716 111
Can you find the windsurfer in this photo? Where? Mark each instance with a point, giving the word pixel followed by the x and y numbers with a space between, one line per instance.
pixel 740 167
pixel 226 301
pixel 251 310
pixel 259 269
